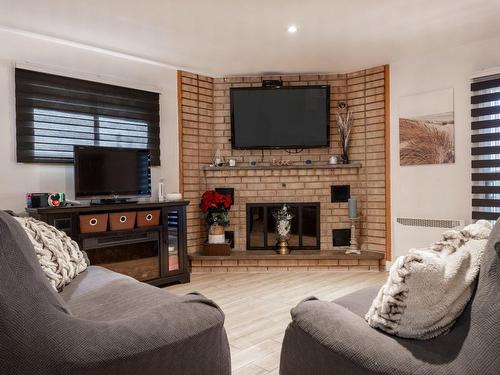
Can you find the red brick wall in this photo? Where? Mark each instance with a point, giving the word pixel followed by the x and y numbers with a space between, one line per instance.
pixel 205 126
pixel 196 131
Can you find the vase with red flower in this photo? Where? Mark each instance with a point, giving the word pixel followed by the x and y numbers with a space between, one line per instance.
pixel 215 208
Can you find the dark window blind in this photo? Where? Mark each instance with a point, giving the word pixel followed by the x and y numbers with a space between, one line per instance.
pixel 55 113
pixel 485 114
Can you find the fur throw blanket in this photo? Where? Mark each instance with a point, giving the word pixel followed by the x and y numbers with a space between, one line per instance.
pixel 428 289
pixel 59 256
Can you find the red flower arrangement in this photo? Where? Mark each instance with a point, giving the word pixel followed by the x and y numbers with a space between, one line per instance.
pixel 215 206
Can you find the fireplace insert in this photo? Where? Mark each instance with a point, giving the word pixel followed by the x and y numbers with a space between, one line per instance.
pixel 261 226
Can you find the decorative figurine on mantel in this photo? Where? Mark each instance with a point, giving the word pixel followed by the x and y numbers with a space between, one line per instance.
pixel 333 160
pixel 218 160
pixel 281 162
pixel 344 123
pixel 353 216
pixel 283 218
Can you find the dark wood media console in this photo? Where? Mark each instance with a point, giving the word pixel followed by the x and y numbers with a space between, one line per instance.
pixel 155 254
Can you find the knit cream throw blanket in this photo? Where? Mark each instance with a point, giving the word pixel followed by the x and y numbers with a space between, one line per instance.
pixel 428 289
pixel 59 256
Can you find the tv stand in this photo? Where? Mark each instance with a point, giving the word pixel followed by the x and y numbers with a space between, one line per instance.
pixel 111 201
pixel 156 254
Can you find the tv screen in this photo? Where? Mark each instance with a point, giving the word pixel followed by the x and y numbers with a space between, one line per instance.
pixel 111 172
pixel 286 117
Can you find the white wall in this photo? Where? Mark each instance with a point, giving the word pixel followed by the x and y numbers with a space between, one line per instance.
pixel 440 191
pixel 436 191
pixel 51 56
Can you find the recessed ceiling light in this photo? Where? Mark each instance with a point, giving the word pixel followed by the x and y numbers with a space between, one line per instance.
pixel 292 29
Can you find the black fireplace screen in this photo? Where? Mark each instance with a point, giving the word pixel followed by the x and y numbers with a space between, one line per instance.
pixel 261 226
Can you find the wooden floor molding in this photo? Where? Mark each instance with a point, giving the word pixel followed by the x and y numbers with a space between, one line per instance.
pixel 257 307
pixel 306 260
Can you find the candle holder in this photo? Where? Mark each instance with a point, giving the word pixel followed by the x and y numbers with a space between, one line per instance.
pixel 353 249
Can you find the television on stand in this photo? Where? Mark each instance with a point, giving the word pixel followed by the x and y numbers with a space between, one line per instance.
pixel 291 117
pixel 107 175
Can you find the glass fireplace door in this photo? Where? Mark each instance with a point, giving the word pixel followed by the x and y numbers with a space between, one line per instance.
pixel 261 226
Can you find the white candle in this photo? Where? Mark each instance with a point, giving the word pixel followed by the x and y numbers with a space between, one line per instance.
pixel 353 208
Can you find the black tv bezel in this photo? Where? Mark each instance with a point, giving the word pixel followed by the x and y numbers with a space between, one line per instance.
pixel 298 146
pixel 105 195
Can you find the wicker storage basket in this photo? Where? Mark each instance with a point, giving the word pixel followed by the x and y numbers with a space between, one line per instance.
pixel 148 218
pixel 93 223
pixel 122 220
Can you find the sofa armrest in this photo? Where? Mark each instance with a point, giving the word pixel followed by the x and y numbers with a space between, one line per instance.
pixel 179 337
pixel 349 341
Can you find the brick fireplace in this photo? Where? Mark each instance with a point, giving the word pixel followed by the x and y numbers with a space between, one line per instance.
pixel 273 185
pixel 204 126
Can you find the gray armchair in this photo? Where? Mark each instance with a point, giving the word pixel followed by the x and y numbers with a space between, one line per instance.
pixel 333 338
pixel 102 323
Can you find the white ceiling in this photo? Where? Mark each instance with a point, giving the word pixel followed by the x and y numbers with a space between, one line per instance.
pixel 227 37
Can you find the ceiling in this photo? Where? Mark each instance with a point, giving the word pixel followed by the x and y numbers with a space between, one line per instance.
pixel 228 37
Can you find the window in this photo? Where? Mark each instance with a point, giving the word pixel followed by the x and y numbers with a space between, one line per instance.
pixel 485 138
pixel 55 113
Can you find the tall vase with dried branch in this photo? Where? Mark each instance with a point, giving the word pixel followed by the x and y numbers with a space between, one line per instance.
pixel 344 124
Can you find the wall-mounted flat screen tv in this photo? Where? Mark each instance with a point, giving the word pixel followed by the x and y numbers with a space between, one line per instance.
pixel 108 172
pixel 286 117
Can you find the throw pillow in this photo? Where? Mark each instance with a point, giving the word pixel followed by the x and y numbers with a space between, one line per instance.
pixel 59 256
pixel 427 290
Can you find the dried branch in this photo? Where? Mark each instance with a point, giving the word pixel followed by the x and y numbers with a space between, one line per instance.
pixel 344 124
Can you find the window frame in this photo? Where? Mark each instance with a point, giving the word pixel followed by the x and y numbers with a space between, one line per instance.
pixel 116 109
pixel 485 147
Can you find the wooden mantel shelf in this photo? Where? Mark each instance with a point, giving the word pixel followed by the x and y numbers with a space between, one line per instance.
pixel 276 167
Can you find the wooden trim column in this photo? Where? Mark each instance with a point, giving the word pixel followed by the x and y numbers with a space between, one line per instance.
pixel 179 130
pixel 388 217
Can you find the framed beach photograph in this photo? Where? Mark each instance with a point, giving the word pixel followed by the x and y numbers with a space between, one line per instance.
pixel 427 128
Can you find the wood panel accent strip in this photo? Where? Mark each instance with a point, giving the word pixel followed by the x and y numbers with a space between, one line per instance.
pixel 387 100
pixel 179 131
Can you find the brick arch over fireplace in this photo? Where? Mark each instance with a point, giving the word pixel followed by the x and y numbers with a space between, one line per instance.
pixel 204 127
